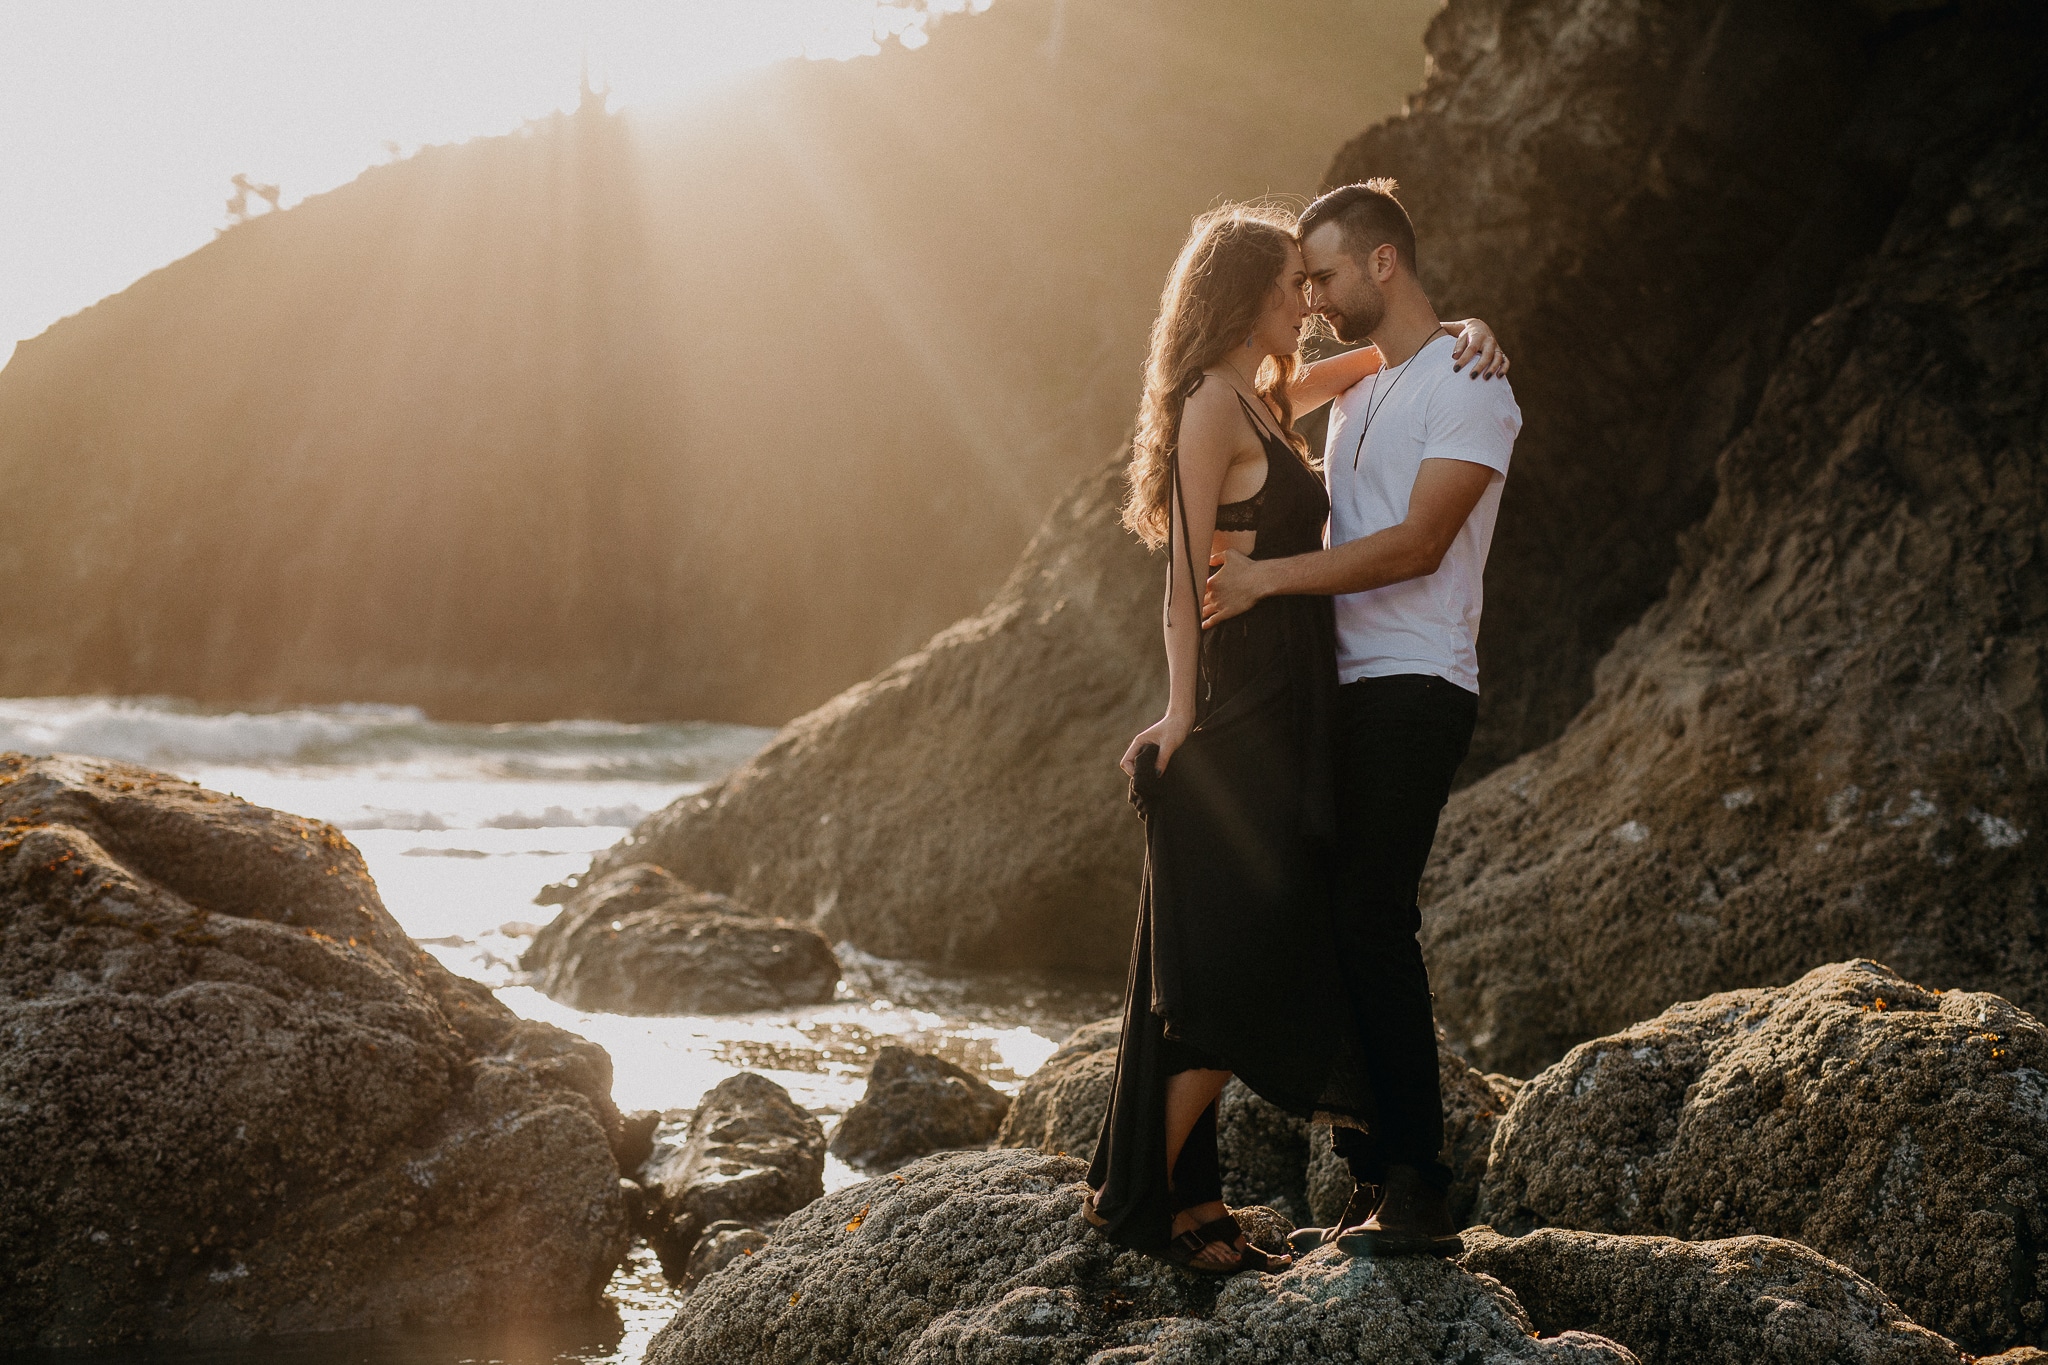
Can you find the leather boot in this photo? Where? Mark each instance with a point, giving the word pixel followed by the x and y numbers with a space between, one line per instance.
pixel 1413 1219
pixel 1364 1199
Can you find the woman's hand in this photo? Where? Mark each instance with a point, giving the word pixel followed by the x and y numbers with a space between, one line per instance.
pixel 1480 349
pixel 1169 733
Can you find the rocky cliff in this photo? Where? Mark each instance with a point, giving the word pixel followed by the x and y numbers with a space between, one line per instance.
pixel 1826 740
pixel 706 417
pixel 1772 277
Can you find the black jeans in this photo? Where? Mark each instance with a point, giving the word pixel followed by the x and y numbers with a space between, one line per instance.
pixel 1399 740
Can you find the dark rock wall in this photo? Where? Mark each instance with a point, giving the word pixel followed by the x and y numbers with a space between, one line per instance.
pixel 1645 198
pixel 1826 741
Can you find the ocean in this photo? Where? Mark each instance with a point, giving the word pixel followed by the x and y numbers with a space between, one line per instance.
pixel 461 824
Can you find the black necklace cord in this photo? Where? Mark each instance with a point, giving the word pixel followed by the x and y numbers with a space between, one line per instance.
pixel 1372 409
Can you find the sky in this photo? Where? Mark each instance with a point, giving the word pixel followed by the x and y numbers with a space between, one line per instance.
pixel 123 122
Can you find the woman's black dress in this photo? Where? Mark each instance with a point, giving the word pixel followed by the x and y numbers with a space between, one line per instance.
pixel 1233 966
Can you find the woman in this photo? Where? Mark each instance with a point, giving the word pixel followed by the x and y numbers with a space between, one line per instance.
pixel 1231 972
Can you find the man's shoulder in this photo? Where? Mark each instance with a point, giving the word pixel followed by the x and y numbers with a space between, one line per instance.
pixel 1454 395
pixel 1447 382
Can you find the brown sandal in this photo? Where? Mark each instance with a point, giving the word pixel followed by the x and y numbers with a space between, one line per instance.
pixel 1183 1250
pixel 1095 1219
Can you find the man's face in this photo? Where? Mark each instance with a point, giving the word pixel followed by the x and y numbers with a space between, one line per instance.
pixel 1339 287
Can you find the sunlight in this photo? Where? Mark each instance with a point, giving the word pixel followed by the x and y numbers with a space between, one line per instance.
pixel 127 121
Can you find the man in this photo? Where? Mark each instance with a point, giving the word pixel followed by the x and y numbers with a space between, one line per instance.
pixel 1415 459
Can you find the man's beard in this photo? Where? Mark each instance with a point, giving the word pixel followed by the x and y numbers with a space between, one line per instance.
pixel 1358 315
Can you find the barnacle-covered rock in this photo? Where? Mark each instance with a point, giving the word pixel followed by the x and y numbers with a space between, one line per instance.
pixel 1900 1131
pixel 236 1099
pixel 984 1256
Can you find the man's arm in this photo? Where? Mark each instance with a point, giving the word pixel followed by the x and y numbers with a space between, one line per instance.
pixel 1446 491
pixel 1317 383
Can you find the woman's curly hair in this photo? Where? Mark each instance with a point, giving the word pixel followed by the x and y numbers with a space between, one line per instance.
pixel 1219 284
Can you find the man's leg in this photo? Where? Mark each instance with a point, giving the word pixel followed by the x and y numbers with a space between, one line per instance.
pixel 1399 741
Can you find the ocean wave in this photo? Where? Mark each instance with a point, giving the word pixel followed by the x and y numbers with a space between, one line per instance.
pixel 554 817
pixel 167 733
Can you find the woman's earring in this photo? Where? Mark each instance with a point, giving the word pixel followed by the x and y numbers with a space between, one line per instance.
pixel 1248 343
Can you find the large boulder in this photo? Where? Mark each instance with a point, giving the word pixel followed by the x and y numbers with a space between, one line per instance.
pixel 915 1104
pixel 984 1256
pixel 640 942
pixel 964 805
pixel 1827 740
pixel 1059 1107
pixel 1268 1156
pixel 1898 1130
pixel 1738 1301
pixel 750 1156
pixel 236 1099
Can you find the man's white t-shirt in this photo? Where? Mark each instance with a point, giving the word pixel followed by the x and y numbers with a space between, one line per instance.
pixel 1420 410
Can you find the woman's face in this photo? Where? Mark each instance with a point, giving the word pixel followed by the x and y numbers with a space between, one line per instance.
pixel 1278 330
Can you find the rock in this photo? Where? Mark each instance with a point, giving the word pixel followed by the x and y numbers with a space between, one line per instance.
pixel 1268 1156
pixel 241 1102
pixel 1059 1107
pixel 1263 1151
pixel 1564 161
pixel 984 1256
pixel 1738 1301
pixel 1826 741
pixel 752 1156
pixel 1327 1182
pixel 916 1104
pixel 636 1139
pixel 1264 1227
pixel 634 1199
pixel 636 886
pixel 1473 1107
pixel 640 942
pixel 1900 1131
pixel 721 1244
pixel 874 817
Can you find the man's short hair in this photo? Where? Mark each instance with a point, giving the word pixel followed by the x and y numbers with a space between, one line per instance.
pixel 1369 217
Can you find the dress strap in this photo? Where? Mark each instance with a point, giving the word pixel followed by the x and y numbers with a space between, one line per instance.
pixel 1264 428
pixel 1180 503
